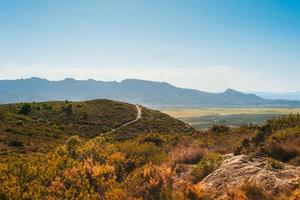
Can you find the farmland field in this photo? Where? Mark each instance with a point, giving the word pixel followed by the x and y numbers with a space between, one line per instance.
pixel 203 118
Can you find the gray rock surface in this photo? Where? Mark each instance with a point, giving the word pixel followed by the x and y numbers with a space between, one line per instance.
pixel 235 171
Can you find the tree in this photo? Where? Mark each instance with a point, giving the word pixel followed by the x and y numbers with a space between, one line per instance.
pixel 68 109
pixel 25 109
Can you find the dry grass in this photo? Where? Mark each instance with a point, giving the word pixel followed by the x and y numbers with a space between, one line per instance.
pixel 186 155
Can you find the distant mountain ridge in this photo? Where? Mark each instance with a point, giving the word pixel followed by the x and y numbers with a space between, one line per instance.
pixel 149 93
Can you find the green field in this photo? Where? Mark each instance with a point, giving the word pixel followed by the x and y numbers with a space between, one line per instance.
pixel 203 118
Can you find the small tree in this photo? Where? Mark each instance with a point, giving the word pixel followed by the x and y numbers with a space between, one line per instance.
pixel 72 146
pixel 25 109
pixel 69 109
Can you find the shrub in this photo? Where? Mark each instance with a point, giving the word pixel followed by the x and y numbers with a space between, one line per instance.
pixel 254 192
pixel 19 123
pixel 72 146
pixel 206 166
pixel 275 165
pixel 29 134
pixel 9 130
pixel 150 182
pixel 154 138
pixel 68 109
pixel 141 154
pixel 186 155
pixel 25 109
pixel 220 129
pixel 14 143
pixel 280 153
pixel 262 134
pixel 244 145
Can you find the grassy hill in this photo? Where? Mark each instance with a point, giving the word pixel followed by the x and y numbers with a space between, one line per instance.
pixel 46 125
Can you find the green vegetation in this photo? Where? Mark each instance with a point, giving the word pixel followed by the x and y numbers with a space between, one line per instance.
pixel 25 109
pixel 275 165
pixel 56 151
pixel 279 139
pixel 34 128
pixel 206 166
pixel 233 117
pixel 153 122
pixel 194 112
pixel 205 122
pixel 100 168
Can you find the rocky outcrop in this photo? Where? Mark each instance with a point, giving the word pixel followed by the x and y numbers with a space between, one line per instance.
pixel 236 171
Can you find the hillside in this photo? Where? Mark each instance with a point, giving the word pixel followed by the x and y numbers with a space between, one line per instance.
pixel 61 150
pixel 38 127
pixel 149 93
pixel 279 138
pixel 158 166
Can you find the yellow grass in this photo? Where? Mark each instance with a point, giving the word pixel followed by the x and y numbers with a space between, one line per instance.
pixel 192 112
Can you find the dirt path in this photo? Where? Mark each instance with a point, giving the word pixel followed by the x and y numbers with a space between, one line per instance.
pixel 138 116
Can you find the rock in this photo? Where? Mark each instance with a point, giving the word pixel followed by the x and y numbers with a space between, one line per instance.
pixel 235 171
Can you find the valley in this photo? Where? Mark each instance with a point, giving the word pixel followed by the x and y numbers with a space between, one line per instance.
pixel 204 118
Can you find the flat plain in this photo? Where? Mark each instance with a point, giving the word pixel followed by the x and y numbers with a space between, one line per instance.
pixel 203 118
pixel 192 112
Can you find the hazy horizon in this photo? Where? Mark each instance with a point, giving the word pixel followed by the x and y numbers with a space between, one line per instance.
pixel 204 45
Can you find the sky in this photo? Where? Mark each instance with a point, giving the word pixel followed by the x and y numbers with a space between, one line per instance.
pixel 211 45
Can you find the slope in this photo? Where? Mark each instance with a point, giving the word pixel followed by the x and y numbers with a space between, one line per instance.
pixel 39 127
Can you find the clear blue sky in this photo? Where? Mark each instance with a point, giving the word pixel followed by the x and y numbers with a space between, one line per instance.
pixel 249 45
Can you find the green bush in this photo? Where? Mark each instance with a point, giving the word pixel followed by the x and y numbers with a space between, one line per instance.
pixel 154 138
pixel 142 154
pixel 68 109
pixel 275 165
pixel 25 109
pixel 220 129
pixel 206 166
pixel 280 153
pixel 14 143
pixel 19 123
pixel 72 146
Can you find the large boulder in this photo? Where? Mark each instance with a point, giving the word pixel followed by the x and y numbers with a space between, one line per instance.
pixel 236 171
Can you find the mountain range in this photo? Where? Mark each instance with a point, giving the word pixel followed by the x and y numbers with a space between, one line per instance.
pixel 149 93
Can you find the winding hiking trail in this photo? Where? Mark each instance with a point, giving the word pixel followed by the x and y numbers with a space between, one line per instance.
pixel 138 116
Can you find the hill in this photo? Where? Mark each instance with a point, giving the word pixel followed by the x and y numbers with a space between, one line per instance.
pixel 164 166
pixel 149 93
pixel 38 127
pixel 154 156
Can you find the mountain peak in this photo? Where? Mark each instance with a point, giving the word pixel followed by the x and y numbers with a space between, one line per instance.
pixel 231 91
pixel 143 82
pixel 69 80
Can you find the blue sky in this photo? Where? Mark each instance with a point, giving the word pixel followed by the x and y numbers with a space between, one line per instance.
pixel 249 45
